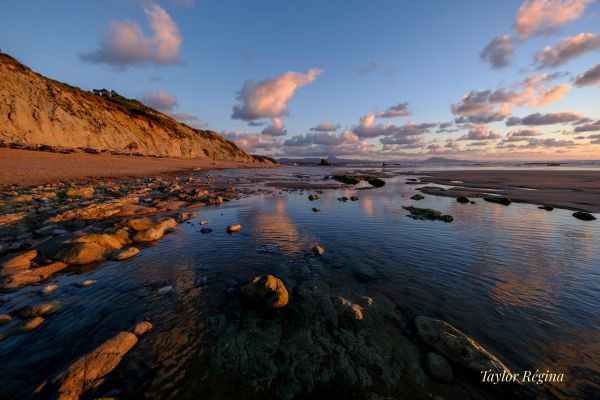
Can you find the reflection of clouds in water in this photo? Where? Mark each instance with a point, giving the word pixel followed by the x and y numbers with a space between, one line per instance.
pixel 272 225
pixel 366 203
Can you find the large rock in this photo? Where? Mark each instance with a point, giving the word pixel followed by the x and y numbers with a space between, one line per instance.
pixel 267 290
pixel 457 346
pixel 137 224
pixel 80 253
pixel 584 216
pixel 439 368
pixel 22 260
pixel 505 201
pixel 111 242
pixel 156 232
pixel 21 277
pixel 95 211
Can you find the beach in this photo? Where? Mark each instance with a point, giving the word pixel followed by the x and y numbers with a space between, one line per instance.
pixel 571 189
pixel 26 168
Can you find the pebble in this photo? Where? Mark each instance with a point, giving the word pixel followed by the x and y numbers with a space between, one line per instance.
pixel 233 228
pixel 165 290
pixel 86 283
pixel 48 289
pixel 318 250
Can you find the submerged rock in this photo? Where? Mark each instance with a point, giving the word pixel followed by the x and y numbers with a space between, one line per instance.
pixel 48 290
pixel 439 368
pixel 142 327
pixel 427 214
pixel 462 199
pixel 5 319
pixel 267 290
pixel 505 201
pixel 205 230
pixel 125 253
pixel 21 327
pixel 38 310
pixel 457 346
pixel 315 209
pixel 417 197
pixel 584 216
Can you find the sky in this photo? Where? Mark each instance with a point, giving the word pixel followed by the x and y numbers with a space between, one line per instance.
pixel 387 80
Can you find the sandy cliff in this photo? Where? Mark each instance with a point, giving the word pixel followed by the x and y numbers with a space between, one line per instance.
pixel 36 111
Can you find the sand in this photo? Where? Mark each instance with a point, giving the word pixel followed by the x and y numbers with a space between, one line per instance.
pixel 26 168
pixel 570 189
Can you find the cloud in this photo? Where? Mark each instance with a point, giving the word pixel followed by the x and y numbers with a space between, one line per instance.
pixel 498 52
pixel 368 129
pixel 275 128
pixel 541 17
pixel 184 117
pixel 589 77
pixel 589 127
pixel 370 67
pixel 567 49
pixel 480 132
pixel 399 110
pixel 160 100
pixel 246 55
pixel 478 144
pixel 325 126
pixel 256 123
pixel 520 135
pixel 327 139
pixel 485 106
pixel 252 142
pixel 268 98
pixel 126 44
pixel 550 118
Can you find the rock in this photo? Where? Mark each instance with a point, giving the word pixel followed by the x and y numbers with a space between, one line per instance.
pixel 137 224
pixel 183 217
pixel 24 198
pixel 165 289
pixel 80 192
pixel 354 198
pixel 347 179
pixel 267 290
pixel 439 368
pixel 5 319
pixel 462 199
pixel 376 182
pixel 86 283
pixel 203 222
pixel 365 273
pixel 142 327
pixel 457 346
pixel 547 208
pixel 111 242
pixel 80 253
pixel 233 228
pixel 22 327
pixel 20 277
pixel 313 197
pixel 48 290
pixel 427 214
pixel 38 310
pixel 318 250
pixel 156 232
pixel 352 311
pixel 315 209
pixel 84 373
pixel 94 211
pixel 584 216
pixel 205 230
pixel 498 200
pixel 417 197
pixel 22 260
pixel 125 253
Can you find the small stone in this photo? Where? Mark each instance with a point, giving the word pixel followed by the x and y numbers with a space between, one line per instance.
pixel 417 197
pixel 547 208
pixel 313 197
pixel 267 290
pixel 315 209
pixel 125 253
pixel 141 327
pixel 86 283
pixel 233 228
pixel 165 290
pixel 205 230
pixel 48 290
pixel 203 222
pixel 5 319
pixel 584 216
pixel 354 198
pixel 462 199
pixel 318 250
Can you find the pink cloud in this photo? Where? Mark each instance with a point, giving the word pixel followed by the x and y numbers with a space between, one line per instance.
pixel 589 77
pixel 268 98
pixel 325 126
pixel 275 128
pixel 539 17
pixel 480 132
pixel 498 52
pixel 252 142
pixel 160 100
pixel 126 44
pixel 567 49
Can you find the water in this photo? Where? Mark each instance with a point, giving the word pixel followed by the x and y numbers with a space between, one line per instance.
pixel 523 281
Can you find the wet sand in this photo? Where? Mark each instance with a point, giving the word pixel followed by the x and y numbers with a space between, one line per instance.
pixel 26 168
pixel 575 190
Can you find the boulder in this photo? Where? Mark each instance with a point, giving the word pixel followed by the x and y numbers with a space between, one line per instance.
pixel 84 373
pixel 462 199
pixel 80 253
pixel 584 216
pixel 439 368
pixel 267 290
pixel 156 232
pixel 457 346
pixel 111 242
pixel 505 201
pixel 22 260
pixel 123 254
pixel 137 224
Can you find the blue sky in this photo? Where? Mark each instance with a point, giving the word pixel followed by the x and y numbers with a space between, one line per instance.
pixel 366 58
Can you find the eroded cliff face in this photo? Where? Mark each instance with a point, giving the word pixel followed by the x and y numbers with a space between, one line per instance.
pixel 36 111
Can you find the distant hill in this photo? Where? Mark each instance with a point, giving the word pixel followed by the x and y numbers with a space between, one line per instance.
pixel 36 111
pixel 442 160
pixel 346 161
